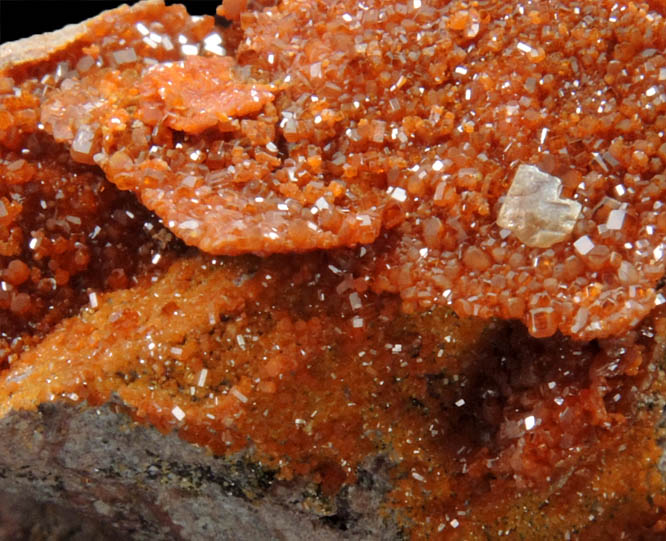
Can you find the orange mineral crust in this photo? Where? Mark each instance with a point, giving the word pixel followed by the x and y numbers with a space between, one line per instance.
pixel 507 160
pixel 395 181
pixel 485 427
pixel 66 233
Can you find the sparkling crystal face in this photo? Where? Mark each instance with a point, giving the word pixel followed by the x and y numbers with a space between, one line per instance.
pixel 534 211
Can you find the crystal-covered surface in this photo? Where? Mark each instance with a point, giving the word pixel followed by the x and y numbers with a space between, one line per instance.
pixel 306 358
pixel 392 131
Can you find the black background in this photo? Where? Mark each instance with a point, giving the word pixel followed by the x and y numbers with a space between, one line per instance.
pixel 22 18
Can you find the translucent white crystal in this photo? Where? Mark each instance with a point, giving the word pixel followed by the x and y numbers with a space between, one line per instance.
pixel 84 140
pixel 125 56
pixel 534 211
pixel 178 413
pixel 190 224
pixel 583 245
pixel 615 219
pixel 202 377
pixel 397 193
pixel 524 47
pixel 627 273
pixel 240 396
pixel 530 422
pixel 143 30
pixel 355 301
pixel 85 63
pixel 580 320
pixel 189 49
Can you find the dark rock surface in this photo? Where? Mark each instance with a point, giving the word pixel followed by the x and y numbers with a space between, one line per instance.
pixel 78 472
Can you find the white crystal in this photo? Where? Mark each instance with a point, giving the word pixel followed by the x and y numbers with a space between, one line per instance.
pixel 83 141
pixel 580 320
pixel 397 193
pixel 189 49
pixel 322 204
pixel 534 211
pixel 627 273
pixel 239 396
pixel 143 30
pixel 357 322
pixel 364 219
pixel 202 377
pixel 583 245
pixel 124 56
pixel 615 219
pixel 524 47
pixel 190 224
pixel 190 181
pixel 213 39
pixel 544 134
pixel 85 63
pixel 315 70
pixel 178 413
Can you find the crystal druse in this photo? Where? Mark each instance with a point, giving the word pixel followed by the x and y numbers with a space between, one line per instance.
pixel 431 231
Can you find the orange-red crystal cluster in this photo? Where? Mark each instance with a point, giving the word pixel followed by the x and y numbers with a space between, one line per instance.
pixel 404 124
pixel 389 134
pixel 65 231
pixel 229 351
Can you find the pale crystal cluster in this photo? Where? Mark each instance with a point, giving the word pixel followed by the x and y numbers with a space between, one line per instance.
pixel 534 211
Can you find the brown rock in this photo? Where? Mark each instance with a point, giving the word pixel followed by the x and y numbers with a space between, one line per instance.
pixel 125 479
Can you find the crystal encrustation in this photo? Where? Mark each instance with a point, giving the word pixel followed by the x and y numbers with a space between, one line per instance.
pixel 222 349
pixel 413 157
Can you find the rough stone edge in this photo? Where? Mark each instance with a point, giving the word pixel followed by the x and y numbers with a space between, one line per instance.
pixel 131 479
pixel 41 46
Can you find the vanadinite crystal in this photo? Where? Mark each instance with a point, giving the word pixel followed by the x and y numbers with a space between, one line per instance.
pixel 333 127
pixel 368 165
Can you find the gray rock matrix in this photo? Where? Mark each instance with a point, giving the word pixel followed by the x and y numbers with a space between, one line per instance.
pixel 78 472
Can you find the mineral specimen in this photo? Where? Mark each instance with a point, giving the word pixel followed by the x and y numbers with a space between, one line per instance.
pixel 483 425
pixel 503 159
pixel 401 124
